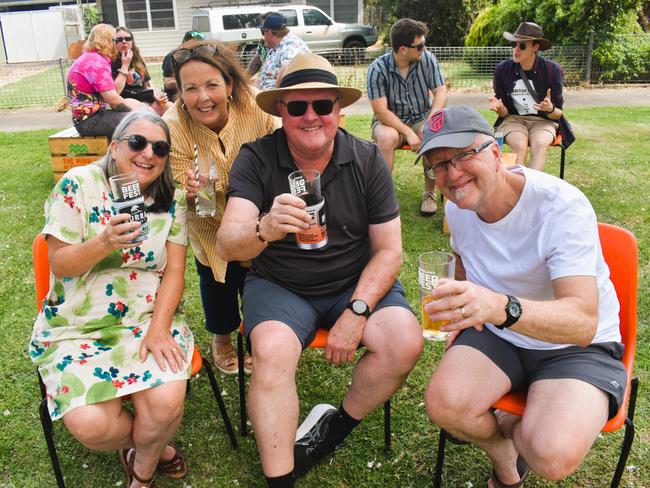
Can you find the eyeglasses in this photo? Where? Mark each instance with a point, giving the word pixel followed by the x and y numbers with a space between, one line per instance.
pixel 138 143
pixel 419 47
pixel 122 39
pixel 456 161
pixel 297 108
pixel 522 45
pixel 183 54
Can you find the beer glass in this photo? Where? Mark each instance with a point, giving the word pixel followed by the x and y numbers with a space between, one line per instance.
pixel 206 197
pixel 128 199
pixel 432 267
pixel 305 183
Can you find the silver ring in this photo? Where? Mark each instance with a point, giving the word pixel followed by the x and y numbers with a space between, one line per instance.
pixel 462 312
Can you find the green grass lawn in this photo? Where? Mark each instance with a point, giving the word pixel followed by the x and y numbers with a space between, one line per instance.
pixel 609 162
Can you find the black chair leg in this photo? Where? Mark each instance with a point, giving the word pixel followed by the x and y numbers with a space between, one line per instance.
pixel 440 460
pixel 387 430
pixel 48 432
pixel 220 403
pixel 628 436
pixel 562 159
pixel 242 385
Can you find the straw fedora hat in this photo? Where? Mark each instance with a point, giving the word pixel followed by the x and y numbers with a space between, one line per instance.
pixel 529 31
pixel 306 72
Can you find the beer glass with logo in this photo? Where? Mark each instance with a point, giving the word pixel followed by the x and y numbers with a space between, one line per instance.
pixel 128 199
pixel 432 267
pixel 305 184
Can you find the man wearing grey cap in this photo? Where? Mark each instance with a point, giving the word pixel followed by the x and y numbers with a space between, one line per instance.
pixel 528 97
pixel 282 48
pixel 531 307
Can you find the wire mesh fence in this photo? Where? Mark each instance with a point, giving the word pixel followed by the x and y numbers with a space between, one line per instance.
pixel 42 84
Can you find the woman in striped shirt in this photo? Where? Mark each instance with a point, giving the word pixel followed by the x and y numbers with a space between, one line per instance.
pixel 216 113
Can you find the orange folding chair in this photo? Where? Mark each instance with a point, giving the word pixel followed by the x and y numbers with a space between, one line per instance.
pixel 557 142
pixel 42 284
pixel 620 251
pixel 319 342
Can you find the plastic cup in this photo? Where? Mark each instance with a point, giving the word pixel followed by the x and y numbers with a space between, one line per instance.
pixel 206 198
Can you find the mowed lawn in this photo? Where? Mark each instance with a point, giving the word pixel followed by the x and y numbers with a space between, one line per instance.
pixel 609 162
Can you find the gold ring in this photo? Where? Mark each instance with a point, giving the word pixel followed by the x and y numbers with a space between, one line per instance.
pixel 462 312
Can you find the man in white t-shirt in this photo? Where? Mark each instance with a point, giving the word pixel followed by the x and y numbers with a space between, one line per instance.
pixel 532 307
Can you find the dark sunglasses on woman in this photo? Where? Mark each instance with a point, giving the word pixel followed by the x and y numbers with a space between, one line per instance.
pixel 138 143
pixel 522 45
pixel 183 54
pixel 297 108
pixel 122 39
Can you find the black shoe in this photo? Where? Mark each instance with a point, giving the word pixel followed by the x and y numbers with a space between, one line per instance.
pixel 313 439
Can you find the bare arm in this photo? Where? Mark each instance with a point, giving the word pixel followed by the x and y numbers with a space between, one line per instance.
pixel 571 317
pixel 375 280
pixel 159 340
pixel 389 119
pixel 77 259
pixel 117 102
pixel 440 96
pixel 237 239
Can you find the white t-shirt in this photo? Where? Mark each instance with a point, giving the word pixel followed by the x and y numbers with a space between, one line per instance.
pixel 550 233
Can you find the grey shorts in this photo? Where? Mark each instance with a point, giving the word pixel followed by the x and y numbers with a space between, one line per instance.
pixel 416 126
pixel 597 364
pixel 264 300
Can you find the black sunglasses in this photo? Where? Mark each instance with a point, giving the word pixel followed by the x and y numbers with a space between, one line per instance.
pixel 138 143
pixel 522 45
pixel 123 39
pixel 183 54
pixel 297 108
pixel 419 47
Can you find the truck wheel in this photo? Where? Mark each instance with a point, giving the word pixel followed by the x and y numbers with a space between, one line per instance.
pixel 354 52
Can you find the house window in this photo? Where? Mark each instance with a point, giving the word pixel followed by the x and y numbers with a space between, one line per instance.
pixel 149 14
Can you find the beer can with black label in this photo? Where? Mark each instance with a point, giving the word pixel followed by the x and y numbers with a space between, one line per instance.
pixel 138 213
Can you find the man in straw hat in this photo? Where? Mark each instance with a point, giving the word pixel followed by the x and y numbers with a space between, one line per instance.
pixel 532 307
pixel 349 285
pixel 528 96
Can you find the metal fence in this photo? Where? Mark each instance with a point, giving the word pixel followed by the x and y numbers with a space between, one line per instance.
pixel 42 84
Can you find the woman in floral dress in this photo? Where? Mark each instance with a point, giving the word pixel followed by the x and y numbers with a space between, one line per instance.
pixel 111 324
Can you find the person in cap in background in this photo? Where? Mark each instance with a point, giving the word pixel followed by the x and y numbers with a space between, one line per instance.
pixel 528 97
pixel 532 307
pixel 401 85
pixel 169 82
pixel 282 47
pixel 349 285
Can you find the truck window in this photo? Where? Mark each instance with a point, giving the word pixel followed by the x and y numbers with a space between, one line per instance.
pixel 314 17
pixel 241 21
pixel 290 17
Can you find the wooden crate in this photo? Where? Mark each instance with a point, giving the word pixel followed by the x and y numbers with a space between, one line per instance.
pixel 69 149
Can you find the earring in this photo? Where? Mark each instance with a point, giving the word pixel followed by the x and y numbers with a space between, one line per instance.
pixel 229 99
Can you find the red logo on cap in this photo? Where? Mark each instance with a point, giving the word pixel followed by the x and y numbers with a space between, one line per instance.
pixel 437 121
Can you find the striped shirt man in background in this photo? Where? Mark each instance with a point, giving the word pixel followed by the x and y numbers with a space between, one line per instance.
pixel 405 86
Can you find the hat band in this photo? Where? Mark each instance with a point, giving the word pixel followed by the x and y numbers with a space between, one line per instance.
pixel 308 76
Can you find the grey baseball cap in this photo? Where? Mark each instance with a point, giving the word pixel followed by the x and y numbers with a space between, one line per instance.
pixel 453 127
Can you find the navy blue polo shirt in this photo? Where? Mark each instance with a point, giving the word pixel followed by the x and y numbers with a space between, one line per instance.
pixel 358 191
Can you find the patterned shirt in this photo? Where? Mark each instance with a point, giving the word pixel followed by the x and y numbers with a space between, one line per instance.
pixel 89 75
pixel 278 57
pixel 408 98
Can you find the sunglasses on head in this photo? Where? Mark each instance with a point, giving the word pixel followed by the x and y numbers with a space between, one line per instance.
pixel 419 47
pixel 183 54
pixel 123 39
pixel 138 143
pixel 522 45
pixel 297 108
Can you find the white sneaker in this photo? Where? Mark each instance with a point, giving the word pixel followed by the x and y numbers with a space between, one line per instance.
pixel 429 205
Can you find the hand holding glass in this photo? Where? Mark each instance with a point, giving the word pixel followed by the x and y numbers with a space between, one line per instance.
pixel 206 198
pixel 432 267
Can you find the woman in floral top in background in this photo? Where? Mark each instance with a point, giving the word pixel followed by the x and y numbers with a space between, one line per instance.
pixel 111 324
pixel 96 106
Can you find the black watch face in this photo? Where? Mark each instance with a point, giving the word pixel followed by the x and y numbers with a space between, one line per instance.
pixel 359 307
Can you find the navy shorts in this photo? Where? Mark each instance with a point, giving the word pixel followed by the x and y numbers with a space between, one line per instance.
pixel 597 364
pixel 264 300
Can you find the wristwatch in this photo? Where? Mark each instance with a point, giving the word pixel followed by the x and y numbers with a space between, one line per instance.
pixel 513 313
pixel 359 307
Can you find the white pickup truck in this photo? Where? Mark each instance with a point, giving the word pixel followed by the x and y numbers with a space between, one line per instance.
pixel 241 25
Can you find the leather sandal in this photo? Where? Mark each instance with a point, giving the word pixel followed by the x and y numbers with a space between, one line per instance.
pixel 126 461
pixel 176 467
pixel 522 469
pixel 225 358
pixel 248 363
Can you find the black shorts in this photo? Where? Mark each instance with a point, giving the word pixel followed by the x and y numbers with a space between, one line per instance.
pixel 597 364
pixel 264 300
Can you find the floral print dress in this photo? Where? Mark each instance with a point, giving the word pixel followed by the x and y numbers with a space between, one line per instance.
pixel 87 338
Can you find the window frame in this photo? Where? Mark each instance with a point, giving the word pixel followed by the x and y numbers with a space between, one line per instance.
pixel 121 14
